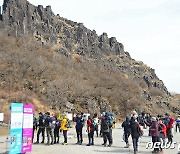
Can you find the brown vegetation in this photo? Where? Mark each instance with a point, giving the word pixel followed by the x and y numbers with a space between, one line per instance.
pixel 31 72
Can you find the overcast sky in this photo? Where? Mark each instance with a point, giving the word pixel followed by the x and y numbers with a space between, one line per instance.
pixel 149 29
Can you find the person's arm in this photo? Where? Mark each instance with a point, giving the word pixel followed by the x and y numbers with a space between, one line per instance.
pixel 122 125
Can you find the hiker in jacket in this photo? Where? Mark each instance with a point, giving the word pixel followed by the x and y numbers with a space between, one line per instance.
pixel 127 130
pixel 96 122
pixel 56 130
pixel 79 128
pixel 41 126
pixel 105 128
pixel 64 129
pixel 154 131
pixel 162 132
pixel 134 133
pixel 169 125
pixel 90 130
pixel 35 120
pixel 178 123
pixel 48 125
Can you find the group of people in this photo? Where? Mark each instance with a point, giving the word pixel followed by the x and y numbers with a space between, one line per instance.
pixel 160 128
pixel 52 125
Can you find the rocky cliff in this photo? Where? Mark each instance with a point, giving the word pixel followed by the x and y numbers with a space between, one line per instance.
pixel 72 39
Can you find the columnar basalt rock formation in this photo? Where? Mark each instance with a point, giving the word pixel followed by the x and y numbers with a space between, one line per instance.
pixel 20 18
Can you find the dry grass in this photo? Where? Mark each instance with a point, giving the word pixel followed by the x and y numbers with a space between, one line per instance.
pixel 35 74
pixel 4 131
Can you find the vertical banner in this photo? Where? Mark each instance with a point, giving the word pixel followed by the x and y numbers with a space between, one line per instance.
pixel 27 128
pixel 16 128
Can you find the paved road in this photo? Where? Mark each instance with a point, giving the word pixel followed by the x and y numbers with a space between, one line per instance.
pixel 118 145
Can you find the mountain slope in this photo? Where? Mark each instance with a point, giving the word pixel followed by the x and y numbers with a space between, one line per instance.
pixel 60 63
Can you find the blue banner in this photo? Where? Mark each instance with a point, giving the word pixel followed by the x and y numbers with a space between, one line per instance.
pixel 16 128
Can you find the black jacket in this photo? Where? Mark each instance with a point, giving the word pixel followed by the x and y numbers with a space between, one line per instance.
pixel 134 128
pixel 126 126
pixel 41 122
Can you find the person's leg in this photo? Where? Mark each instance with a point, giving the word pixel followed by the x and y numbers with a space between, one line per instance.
pixel 104 138
pixel 171 135
pixel 33 133
pixel 134 143
pixel 43 135
pixel 109 137
pixel 97 130
pixel 51 134
pixel 176 127
pixel 48 138
pixel 126 138
pixel 55 135
pixel 38 133
pixel 65 136
pixel 137 144
pixel 81 137
pixel 92 138
pixel 77 133
pixel 168 135
pixel 155 140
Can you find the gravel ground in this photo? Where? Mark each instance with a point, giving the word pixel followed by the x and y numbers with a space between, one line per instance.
pixel 117 147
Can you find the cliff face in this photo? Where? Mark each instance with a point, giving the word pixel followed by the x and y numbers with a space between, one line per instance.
pixel 68 38
pixel 22 18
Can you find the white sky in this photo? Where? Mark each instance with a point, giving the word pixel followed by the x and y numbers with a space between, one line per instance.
pixel 149 29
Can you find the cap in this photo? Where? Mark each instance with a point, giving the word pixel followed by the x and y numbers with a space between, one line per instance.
pixel 167 114
pixel 47 113
pixel 153 118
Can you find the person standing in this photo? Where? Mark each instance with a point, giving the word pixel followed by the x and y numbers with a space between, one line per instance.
pixel 154 131
pixel 134 126
pixel 127 130
pixel 48 125
pixel 105 128
pixel 34 125
pixel 96 122
pixel 41 125
pixel 56 131
pixel 90 130
pixel 162 133
pixel 169 125
pixel 64 129
pixel 178 123
pixel 79 127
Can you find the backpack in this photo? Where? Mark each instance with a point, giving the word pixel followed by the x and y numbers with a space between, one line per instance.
pixel 68 124
pixel 140 131
pixel 105 125
pixel 52 124
pixel 93 124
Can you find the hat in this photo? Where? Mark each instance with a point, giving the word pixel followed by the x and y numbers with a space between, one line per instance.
pixel 167 114
pixel 106 115
pixel 153 118
pixel 47 113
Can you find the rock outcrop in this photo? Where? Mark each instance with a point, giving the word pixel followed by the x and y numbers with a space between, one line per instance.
pixel 20 18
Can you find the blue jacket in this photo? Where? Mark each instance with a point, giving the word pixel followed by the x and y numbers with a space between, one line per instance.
pixel 79 122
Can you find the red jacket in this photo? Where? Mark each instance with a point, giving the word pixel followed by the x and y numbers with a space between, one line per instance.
pixel 164 131
pixel 89 125
pixel 171 123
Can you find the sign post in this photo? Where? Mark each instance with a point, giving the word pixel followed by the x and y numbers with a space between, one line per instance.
pixel 27 128
pixel 1 117
pixel 16 128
